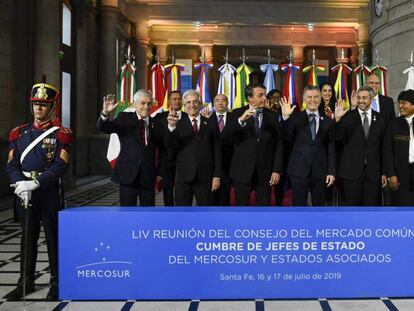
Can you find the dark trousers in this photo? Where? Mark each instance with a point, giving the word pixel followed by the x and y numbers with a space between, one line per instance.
pixel 242 193
pixel 184 193
pixel 128 193
pixel 362 192
pixel 405 195
pixel 44 208
pixel 167 184
pixel 300 188
pixel 221 197
pixel 280 190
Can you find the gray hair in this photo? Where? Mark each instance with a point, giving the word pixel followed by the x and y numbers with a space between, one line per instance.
pixel 142 93
pixel 368 89
pixel 225 97
pixel 191 92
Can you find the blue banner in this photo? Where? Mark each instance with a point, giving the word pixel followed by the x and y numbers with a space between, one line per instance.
pixel 235 253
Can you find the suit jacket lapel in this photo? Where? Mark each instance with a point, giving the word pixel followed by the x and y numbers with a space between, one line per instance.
pixel 374 124
pixel 203 126
pixel 307 122
pixel 135 125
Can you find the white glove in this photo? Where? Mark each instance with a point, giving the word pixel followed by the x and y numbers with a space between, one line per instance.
pixel 25 196
pixel 26 185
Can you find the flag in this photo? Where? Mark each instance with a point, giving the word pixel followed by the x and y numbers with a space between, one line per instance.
pixel 381 73
pixel 289 87
pixel 361 74
pixel 173 81
pixel 227 82
pixel 173 76
pixel 313 73
pixel 157 87
pixel 313 76
pixel 242 80
pixel 127 87
pixel 410 80
pixel 341 84
pixel 269 81
pixel 126 93
pixel 202 83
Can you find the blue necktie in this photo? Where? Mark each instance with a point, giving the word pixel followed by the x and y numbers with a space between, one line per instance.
pixel 313 125
pixel 374 105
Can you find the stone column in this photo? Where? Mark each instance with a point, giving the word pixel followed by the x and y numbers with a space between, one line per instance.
pixel 141 55
pixel 107 77
pixel 162 51
pixel 207 50
pixel 298 58
pixel 47 42
pixel 107 72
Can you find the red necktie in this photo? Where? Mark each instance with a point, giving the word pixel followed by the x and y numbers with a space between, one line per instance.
pixel 195 127
pixel 142 131
pixel 221 122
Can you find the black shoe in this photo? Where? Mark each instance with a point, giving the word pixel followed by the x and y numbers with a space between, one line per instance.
pixel 52 294
pixel 17 293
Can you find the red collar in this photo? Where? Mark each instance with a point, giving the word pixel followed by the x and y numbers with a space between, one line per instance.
pixel 42 125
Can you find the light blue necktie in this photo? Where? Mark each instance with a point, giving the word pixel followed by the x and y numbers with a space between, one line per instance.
pixel 374 105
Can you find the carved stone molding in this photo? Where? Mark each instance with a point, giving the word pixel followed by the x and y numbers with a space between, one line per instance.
pixel 113 3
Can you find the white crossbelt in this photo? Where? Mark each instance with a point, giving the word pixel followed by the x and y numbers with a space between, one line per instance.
pixel 34 143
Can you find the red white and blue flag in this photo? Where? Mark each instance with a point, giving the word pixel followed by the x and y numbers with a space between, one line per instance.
pixel 203 83
pixel 289 87
pixel 157 87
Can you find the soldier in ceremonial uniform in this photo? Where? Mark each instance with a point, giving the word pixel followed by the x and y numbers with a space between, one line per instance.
pixel 39 154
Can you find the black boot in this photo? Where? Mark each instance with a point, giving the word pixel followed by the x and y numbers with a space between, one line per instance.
pixel 53 293
pixel 17 293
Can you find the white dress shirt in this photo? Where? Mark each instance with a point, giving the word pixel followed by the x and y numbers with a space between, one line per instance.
pixel 411 148
pixel 369 115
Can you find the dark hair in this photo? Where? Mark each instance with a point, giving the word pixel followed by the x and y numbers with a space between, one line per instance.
pixel 172 92
pixel 271 92
pixel 407 95
pixel 310 88
pixel 332 100
pixel 248 92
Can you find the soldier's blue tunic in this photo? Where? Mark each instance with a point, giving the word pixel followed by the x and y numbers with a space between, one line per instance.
pixel 46 162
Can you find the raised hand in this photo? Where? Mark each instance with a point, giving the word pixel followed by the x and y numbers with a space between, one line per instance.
pixel 248 114
pixel 287 107
pixel 109 103
pixel 354 101
pixel 206 113
pixel 172 118
pixel 339 110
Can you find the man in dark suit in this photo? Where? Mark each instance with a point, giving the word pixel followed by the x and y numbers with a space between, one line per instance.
pixel 258 150
pixel 360 133
pixel 135 167
pixel 196 140
pixel 168 156
pixel 273 100
pixel 399 151
pixel 312 159
pixel 221 115
pixel 382 104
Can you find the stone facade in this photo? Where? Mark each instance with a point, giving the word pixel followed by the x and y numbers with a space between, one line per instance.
pixel 392 34
pixel 30 46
